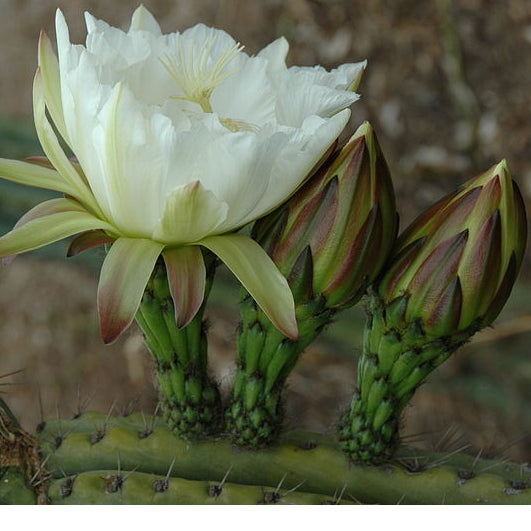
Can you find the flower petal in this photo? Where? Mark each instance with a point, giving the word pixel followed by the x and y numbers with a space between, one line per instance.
pixel 294 158
pixel 275 53
pixel 49 222
pixel 88 240
pixel 260 277
pixel 142 19
pixel 190 213
pixel 246 96
pixel 344 77
pixel 124 275
pixel 51 81
pixel 298 97
pixel 53 149
pixel 131 161
pixel 36 175
pixel 186 272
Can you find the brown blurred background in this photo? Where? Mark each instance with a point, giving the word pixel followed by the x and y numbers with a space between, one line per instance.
pixel 447 90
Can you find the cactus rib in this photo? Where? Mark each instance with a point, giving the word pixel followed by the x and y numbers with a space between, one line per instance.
pixel 112 487
pixel 411 478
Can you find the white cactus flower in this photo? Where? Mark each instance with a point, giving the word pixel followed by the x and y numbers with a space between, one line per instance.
pixel 180 140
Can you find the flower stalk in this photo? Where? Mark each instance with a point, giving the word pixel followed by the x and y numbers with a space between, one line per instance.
pixel 330 241
pixel 189 398
pixel 449 276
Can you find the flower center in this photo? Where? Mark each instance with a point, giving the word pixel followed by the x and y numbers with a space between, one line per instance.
pixel 197 73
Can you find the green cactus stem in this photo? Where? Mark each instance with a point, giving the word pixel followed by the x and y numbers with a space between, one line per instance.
pixel 190 399
pixel 14 489
pixel 114 487
pixel 393 363
pixel 265 359
pixel 144 445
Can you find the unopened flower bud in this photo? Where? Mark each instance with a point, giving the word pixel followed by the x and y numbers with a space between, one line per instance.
pixel 344 216
pixel 449 276
pixel 457 262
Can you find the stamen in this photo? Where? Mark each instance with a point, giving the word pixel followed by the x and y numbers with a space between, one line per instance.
pixel 193 73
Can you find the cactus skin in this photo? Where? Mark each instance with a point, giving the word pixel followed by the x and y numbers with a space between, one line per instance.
pixel 111 487
pixel 150 447
pixel 14 489
pixel 190 399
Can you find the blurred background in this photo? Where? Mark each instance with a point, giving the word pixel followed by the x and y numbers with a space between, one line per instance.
pixel 447 90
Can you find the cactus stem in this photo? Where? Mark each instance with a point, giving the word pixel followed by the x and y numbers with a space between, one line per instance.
pixel 413 476
pixel 108 487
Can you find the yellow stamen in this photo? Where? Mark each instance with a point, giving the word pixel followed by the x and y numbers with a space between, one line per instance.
pixel 197 77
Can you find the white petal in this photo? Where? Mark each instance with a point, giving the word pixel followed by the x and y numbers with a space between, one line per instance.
pixel 62 34
pixel 95 25
pixel 143 20
pixel 246 95
pixel 298 98
pixel 297 158
pixel 115 52
pixel 218 41
pixel 131 149
pixel 340 78
pixel 190 214
pixel 275 53
pixel 233 166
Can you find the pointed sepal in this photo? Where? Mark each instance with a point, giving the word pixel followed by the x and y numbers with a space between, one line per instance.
pixel 47 223
pixel 259 276
pixel 186 273
pixel 123 278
